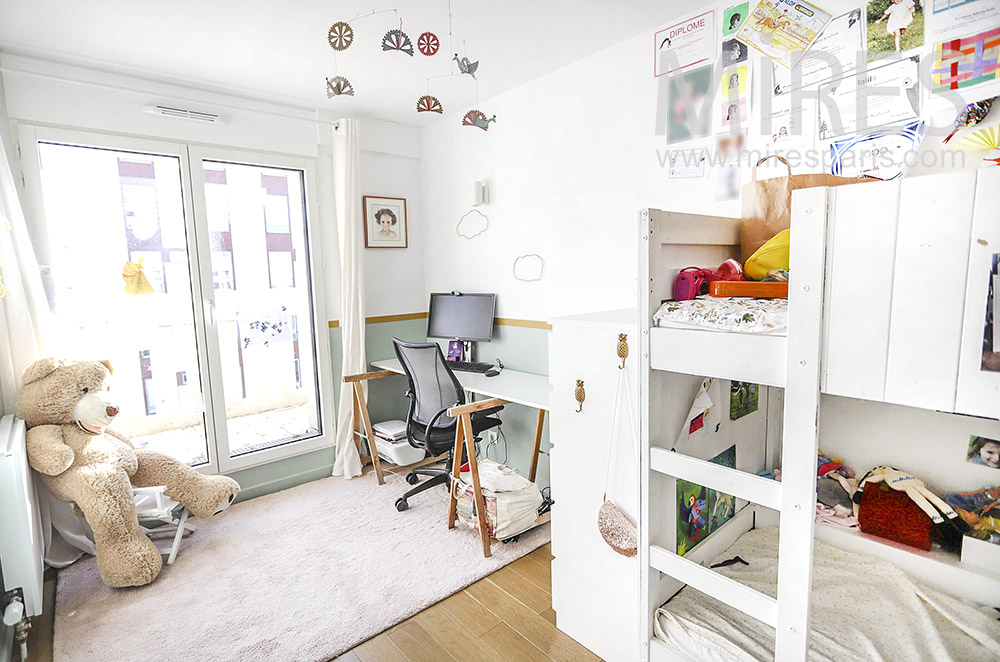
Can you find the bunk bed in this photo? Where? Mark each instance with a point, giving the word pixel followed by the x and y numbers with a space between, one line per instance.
pixel 861 307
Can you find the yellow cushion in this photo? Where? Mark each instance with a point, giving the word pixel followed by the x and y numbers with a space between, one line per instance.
pixel 772 255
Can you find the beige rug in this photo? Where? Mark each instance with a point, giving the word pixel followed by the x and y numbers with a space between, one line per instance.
pixel 301 575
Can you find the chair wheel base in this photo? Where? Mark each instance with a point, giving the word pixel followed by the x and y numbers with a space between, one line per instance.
pixel 401 505
pixel 412 478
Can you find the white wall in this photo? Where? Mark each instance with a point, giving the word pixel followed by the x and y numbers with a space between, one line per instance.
pixel 570 160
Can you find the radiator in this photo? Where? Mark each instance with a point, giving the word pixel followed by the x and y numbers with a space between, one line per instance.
pixel 21 550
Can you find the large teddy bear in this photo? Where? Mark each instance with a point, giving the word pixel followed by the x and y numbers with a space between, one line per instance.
pixel 67 409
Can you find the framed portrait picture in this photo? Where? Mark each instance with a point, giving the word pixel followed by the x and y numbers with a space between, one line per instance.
pixel 385 222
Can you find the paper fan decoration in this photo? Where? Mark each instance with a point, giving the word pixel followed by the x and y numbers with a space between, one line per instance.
pixel 478 119
pixel 337 86
pixel 340 36
pixel 983 140
pixel 971 115
pixel 429 104
pixel 428 43
pixel 135 280
pixel 396 40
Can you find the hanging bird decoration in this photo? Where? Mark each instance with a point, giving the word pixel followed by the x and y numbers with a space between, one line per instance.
pixel 396 40
pixel 429 104
pixel 972 115
pixel 465 66
pixel 338 86
pixel 340 36
pixel 135 280
pixel 478 119
pixel 428 43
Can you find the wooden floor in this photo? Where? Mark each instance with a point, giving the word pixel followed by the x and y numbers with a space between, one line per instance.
pixel 506 617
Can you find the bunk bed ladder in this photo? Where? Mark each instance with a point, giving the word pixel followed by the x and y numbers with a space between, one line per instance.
pixel 794 498
pixel 800 438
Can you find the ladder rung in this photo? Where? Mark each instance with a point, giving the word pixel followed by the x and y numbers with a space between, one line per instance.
pixel 740 484
pixel 728 591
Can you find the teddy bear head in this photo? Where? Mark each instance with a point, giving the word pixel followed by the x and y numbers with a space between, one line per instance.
pixel 58 392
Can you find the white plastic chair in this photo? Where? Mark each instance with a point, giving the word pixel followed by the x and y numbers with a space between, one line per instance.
pixel 153 505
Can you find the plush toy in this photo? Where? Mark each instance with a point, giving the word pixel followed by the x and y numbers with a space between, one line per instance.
pixel 67 409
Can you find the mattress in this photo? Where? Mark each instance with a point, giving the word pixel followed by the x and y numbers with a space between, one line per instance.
pixel 863 610
pixel 730 314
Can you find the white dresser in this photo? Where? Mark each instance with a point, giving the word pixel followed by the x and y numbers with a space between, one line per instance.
pixel 595 591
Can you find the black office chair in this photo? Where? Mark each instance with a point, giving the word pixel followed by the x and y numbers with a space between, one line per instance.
pixel 433 390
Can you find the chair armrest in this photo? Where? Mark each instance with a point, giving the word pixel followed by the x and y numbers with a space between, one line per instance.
pixel 365 376
pixel 473 407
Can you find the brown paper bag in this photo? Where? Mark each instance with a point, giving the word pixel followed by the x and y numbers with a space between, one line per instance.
pixel 767 204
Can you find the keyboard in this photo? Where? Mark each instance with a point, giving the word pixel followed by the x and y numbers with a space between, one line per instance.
pixel 469 366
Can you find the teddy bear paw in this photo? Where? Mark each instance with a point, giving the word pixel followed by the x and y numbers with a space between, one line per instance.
pixel 218 494
pixel 132 562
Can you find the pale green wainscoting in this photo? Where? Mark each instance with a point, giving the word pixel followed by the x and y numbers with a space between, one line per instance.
pixel 520 345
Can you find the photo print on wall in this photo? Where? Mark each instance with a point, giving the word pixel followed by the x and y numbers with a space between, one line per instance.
pixel 385 222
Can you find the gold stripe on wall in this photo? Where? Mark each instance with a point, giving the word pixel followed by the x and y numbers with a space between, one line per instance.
pixel 378 319
pixel 527 324
pixel 395 318
pixel 502 321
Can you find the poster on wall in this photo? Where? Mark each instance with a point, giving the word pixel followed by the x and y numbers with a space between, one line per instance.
pixel 743 399
pixel 991 330
pixel 982 451
pixel 879 155
pixel 734 93
pixel 685 45
pixel 688 164
pixel 701 511
pixel 894 26
pixel 733 18
pixel 783 29
pixel 855 111
pixel 734 52
pixel 728 149
pixel 689 112
pixel 961 18
pixel 965 62
pixel 834 53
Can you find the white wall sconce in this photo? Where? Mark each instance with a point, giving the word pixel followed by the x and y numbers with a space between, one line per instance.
pixel 480 193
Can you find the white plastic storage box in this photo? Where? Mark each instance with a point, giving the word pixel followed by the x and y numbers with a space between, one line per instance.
pixel 399 452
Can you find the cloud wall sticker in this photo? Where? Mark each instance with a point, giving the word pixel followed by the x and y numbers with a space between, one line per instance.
pixel 529 267
pixel 472 224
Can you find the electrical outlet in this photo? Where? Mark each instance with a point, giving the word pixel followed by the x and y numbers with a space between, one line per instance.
pixel 491 437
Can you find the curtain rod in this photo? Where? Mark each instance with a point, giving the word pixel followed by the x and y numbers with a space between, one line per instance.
pixel 172 97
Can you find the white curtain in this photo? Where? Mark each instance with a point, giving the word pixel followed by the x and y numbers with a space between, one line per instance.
pixel 26 334
pixel 347 191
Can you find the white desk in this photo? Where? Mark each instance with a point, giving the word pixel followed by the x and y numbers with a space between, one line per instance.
pixel 522 388
pixel 510 386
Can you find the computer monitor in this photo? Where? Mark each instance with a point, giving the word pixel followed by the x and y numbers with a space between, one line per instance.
pixel 461 316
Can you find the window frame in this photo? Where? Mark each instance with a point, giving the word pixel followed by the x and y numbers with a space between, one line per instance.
pixel 198 239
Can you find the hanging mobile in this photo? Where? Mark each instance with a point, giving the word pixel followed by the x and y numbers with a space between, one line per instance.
pixel 972 115
pixel 338 86
pixel 396 40
pixel 340 36
pixel 478 119
pixel 428 43
pixel 429 104
pixel 465 66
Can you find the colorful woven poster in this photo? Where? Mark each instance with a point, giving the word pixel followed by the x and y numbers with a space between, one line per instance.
pixel 961 63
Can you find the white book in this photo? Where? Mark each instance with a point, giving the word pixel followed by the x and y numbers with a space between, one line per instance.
pixel 392 430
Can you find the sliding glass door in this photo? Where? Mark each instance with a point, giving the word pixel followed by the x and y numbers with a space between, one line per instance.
pixel 221 362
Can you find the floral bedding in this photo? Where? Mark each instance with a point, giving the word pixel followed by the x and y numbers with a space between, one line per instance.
pixel 733 314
